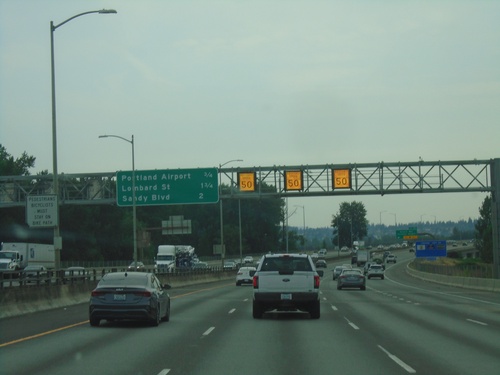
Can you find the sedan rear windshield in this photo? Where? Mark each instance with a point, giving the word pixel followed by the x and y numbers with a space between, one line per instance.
pixel 130 280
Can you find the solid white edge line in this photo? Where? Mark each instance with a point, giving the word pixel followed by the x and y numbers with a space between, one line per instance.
pixel 208 331
pixel 398 361
pixel 477 322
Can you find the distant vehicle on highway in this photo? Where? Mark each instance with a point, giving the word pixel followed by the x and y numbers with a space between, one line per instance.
pixel 353 278
pixel 337 271
pixel 36 273
pixel 321 263
pixel 200 266
pixel 375 270
pixel 136 266
pixel 229 265
pixel 245 275
pixel 248 260
pixel 391 258
pixel 129 296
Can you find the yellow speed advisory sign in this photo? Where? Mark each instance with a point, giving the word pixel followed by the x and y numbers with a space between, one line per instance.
pixel 246 181
pixel 341 178
pixel 293 180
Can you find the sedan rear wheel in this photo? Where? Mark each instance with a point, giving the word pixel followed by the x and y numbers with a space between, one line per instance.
pixel 156 318
pixel 166 318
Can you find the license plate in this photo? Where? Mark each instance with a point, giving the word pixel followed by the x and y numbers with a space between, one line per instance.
pixel 286 296
pixel 120 297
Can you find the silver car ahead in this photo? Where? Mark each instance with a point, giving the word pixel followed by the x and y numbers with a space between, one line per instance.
pixel 130 296
pixel 351 279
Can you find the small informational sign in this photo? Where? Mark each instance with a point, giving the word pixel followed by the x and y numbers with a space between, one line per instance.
pixel 293 180
pixel 176 225
pixel 430 249
pixel 341 178
pixel 41 211
pixel 246 181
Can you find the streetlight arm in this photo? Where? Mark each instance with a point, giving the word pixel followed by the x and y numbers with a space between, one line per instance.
pixel 116 136
pixel 230 161
pixel 102 11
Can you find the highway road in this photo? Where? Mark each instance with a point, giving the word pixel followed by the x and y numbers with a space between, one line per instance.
pixel 399 325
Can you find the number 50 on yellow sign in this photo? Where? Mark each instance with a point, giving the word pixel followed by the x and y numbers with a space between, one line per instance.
pixel 341 178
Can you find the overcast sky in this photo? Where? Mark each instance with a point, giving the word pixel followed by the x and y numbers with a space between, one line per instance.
pixel 199 83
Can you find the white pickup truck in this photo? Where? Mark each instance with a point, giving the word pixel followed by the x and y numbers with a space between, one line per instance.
pixel 286 282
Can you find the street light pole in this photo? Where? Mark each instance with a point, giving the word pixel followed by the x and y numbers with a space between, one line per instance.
pixel 134 205
pixel 303 224
pixel 381 212
pixel 55 177
pixel 222 251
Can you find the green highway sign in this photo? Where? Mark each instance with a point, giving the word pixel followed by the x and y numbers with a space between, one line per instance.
pixel 410 233
pixel 170 186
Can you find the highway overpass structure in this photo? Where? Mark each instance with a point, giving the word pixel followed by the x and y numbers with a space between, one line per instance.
pixel 419 177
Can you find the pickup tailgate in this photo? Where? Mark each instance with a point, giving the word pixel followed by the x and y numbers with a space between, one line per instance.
pixel 274 281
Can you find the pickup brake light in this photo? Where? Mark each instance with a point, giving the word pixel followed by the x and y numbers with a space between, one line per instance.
pixel 316 281
pixel 255 281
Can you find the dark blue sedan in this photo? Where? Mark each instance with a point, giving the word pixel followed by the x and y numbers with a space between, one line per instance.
pixel 129 296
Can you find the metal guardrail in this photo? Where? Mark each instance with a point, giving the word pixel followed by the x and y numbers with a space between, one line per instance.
pixel 59 277
pixel 465 270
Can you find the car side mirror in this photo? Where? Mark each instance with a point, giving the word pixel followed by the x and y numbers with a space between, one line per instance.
pixel 320 273
pixel 252 273
pixel 166 286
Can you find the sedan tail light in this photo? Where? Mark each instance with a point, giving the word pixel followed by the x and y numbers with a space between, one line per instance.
pixel 97 293
pixel 255 281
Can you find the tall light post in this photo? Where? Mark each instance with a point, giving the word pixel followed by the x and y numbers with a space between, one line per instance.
pixel 222 251
pixel 134 206
pixel 55 183
pixel 381 212
pixel 303 224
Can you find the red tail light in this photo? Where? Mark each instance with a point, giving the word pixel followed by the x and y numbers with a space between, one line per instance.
pixel 316 281
pixel 97 293
pixel 255 281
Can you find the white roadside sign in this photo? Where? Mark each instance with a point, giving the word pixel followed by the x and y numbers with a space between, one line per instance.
pixel 41 211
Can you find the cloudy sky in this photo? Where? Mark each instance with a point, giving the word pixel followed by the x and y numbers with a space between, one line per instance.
pixel 199 83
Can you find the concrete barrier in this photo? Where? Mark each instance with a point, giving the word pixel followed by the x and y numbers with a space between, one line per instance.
pixel 491 285
pixel 26 299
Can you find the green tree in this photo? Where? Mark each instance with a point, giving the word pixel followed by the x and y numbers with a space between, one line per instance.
pixel 15 167
pixel 484 231
pixel 350 224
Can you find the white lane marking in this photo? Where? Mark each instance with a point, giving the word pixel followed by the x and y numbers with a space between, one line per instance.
pixel 164 371
pixel 231 311
pixel 334 308
pixel 398 361
pixel 324 299
pixel 351 323
pixel 477 322
pixel 246 299
pixel 207 332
